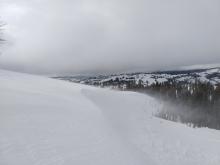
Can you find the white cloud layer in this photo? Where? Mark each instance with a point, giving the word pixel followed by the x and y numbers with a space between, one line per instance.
pixel 75 36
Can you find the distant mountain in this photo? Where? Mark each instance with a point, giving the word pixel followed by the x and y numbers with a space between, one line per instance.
pixel 210 75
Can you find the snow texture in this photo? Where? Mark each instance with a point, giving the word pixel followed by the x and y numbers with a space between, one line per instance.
pixel 52 122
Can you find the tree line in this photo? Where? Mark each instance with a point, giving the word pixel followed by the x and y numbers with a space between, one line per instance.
pixel 196 103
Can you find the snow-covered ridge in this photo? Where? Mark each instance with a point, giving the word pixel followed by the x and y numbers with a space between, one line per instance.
pixel 211 75
pixel 51 122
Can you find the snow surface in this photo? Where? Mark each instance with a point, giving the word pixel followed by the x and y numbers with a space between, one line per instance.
pixel 52 122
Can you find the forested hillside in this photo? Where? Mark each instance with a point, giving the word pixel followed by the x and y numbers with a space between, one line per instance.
pixel 192 96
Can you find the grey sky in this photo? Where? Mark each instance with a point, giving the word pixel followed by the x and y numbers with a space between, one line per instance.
pixel 75 36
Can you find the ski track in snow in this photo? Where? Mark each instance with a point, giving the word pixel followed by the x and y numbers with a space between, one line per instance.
pixel 51 122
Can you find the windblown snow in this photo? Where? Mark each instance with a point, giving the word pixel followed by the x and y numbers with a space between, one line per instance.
pixel 45 121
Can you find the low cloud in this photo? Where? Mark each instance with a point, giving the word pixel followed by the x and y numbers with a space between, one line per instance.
pixel 98 36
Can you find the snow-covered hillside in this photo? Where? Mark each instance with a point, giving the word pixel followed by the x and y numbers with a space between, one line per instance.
pixel 183 75
pixel 52 122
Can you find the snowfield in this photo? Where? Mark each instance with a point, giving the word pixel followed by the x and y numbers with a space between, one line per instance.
pixel 45 121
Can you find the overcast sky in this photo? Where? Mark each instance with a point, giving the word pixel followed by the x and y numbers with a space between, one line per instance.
pixel 98 36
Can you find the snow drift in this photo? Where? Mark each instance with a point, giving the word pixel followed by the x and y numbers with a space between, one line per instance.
pixel 51 122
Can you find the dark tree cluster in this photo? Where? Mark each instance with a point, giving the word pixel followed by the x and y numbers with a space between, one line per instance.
pixel 197 103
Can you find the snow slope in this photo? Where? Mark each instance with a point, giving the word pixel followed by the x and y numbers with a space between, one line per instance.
pixel 51 122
